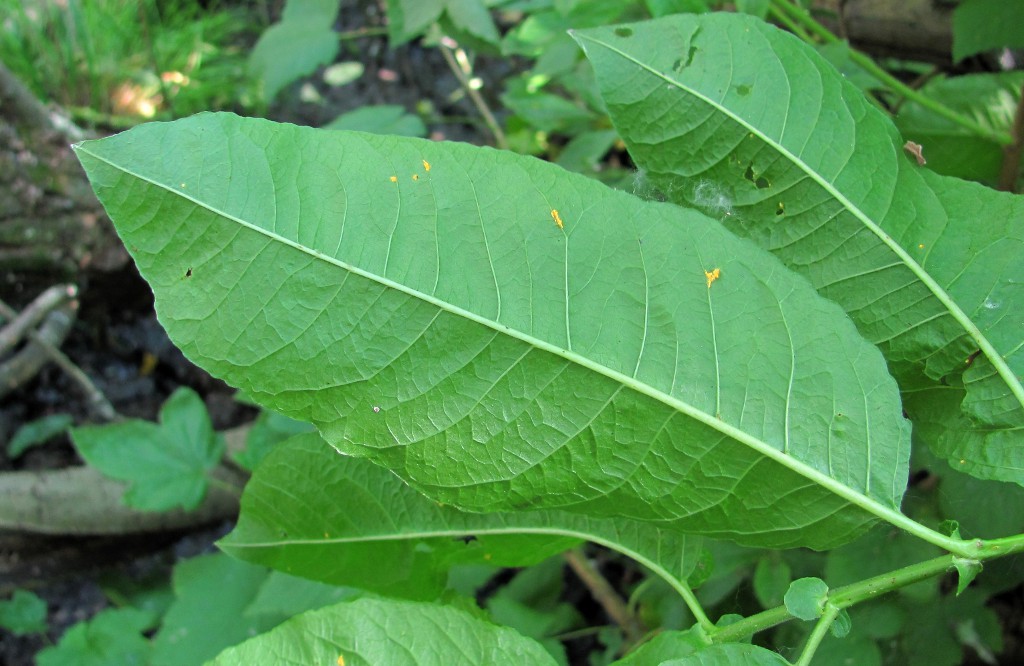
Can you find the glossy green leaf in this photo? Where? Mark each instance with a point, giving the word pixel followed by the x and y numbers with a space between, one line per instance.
pixel 368 632
pixel 346 521
pixel 734 116
pixel 166 464
pixel 985 25
pixel 505 335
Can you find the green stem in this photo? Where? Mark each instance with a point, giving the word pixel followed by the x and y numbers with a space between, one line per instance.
pixel 820 629
pixel 871 588
pixel 789 24
pixel 749 626
pixel 869 65
pixel 361 32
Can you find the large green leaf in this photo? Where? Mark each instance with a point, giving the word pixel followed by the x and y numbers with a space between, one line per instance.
pixel 398 633
pixel 313 513
pixel 737 117
pixel 505 335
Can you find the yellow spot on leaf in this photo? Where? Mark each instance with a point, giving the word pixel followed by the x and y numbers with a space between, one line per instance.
pixel 394 179
pixel 415 177
pixel 920 246
pixel 557 218
pixel 712 276
pixel 341 660
pixel 426 165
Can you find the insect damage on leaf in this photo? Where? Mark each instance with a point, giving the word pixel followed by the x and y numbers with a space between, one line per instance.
pixel 711 276
pixel 557 218
pixel 916 150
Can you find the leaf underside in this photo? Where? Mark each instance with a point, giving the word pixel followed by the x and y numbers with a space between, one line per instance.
pixel 380 631
pixel 505 335
pixel 731 115
pixel 346 521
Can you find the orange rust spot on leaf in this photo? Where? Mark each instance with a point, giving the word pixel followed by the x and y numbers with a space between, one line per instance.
pixel 712 276
pixel 557 218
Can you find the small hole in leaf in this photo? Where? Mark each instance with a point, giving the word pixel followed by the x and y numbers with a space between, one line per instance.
pixel 188 273
pixel 624 32
pixel 760 182
pixel 780 210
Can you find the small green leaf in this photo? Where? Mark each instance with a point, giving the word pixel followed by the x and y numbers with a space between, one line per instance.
pixel 531 604
pixel 410 18
pixel 111 637
pixel 166 464
pixel 37 432
pixel 382 119
pixel 840 626
pixel 984 25
pixel 545 111
pixel 950 528
pixel 369 632
pixel 23 613
pixel 472 17
pixel 586 150
pixel 303 40
pixel 967 570
pixel 806 598
pixel 772 577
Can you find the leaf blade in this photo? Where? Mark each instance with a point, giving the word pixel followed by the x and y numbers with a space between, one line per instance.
pixel 744 121
pixel 346 521
pixel 586 354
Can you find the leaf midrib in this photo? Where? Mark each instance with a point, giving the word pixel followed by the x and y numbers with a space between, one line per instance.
pixel 841 490
pixel 997 360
